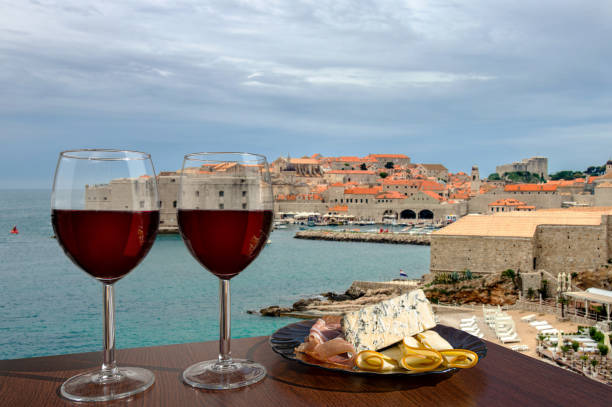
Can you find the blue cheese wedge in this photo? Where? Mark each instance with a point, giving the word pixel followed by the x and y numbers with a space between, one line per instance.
pixel 377 326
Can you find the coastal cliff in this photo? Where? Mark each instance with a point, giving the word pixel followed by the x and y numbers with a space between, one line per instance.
pixel 346 236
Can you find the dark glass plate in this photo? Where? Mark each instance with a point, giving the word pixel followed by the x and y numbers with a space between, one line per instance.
pixel 286 339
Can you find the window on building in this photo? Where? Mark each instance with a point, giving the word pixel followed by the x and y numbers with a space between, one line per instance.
pixel 160 204
pixel 366 201
pixel 221 193
pixel 221 206
pixel 244 193
pixel 174 204
pixel 243 206
pixel 197 193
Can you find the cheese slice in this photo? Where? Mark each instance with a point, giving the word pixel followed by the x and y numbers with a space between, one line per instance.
pixel 377 326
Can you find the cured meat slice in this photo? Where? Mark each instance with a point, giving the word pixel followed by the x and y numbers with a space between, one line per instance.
pixel 326 344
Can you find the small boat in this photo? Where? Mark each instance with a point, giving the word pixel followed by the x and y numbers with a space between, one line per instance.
pixel 14 231
pixel 269 241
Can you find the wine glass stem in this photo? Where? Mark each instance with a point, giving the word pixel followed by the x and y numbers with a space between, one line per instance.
pixel 109 366
pixel 224 321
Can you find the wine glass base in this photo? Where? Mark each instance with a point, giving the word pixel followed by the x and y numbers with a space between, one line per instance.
pixel 230 374
pixel 90 386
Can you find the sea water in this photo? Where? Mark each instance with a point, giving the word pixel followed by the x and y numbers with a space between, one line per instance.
pixel 48 306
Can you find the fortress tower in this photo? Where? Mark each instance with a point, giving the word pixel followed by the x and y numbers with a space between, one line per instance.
pixel 609 167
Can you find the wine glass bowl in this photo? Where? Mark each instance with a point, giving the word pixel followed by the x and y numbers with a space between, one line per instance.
pixel 105 216
pixel 225 213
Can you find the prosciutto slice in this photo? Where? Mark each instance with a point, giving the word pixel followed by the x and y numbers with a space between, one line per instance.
pixel 326 343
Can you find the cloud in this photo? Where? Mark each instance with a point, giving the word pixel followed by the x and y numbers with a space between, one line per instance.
pixel 440 80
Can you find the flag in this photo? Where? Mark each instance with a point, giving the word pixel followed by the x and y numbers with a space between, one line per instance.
pixel 402 274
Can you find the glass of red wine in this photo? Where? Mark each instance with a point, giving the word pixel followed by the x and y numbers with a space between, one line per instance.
pixel 225 212
pixel 105 215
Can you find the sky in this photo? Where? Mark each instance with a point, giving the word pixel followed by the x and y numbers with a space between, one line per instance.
pixel 460 83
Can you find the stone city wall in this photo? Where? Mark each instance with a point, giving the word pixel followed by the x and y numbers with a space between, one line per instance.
pixel 603 196
pixel 480 203
pixel 570 248
pixel 480 254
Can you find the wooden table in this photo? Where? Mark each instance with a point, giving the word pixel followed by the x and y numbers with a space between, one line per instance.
pixel 503 378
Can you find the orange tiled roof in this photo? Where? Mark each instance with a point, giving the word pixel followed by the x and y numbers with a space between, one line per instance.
pixel 391 195
pixel 310 197
pixel 431 186
pixel 363 191
pixel 410 182
pixel 460 195
pixel 525 207
pixel 281 197
pixel 351 172
pixel 319 188
pixel 344 185
pixel 507 202
pixel 389 155
pixel 339 208
pixel 309 161
pixel 348 159
pixel 530 188
pixel 433 195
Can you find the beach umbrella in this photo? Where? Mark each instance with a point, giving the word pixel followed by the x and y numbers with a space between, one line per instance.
pixel 569 282
pixel 607 343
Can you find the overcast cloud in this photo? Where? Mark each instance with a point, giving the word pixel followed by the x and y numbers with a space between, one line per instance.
pixel 443 81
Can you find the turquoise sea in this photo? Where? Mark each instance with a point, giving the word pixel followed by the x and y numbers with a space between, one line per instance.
pixel 48 306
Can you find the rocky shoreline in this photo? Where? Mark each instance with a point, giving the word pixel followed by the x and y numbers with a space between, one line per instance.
pixel 346 236
pixel 493 289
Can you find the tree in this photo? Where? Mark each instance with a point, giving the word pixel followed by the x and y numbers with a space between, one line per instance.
pixel 575 346
pixel 566 175
pixel 363 167
pixel 389 165
pixel 383 175
pixel 494 177
pixel 603 350
pixel 595 170
pixel 565 349
pixel 584 358
pixel 530 293
pixel 523 177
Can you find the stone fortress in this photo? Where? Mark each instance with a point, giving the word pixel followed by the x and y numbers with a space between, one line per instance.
pixel 536 165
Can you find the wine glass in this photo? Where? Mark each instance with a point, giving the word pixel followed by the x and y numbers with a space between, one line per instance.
pixel 225 212
pixel 105 215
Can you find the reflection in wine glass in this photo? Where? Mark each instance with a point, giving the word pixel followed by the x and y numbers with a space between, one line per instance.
pixel 105 216
pixel 225 213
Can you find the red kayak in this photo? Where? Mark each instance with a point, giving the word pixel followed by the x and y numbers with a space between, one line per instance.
pixel 14 231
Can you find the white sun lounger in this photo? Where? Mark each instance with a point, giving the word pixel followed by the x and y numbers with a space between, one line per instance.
pixel 551 331
pixel 536 323
pixel 528 318
pixel 471 319
pixel 510 339
pixel 519 348
pixel 543 327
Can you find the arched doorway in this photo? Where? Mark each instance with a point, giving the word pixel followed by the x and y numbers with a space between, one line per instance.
pixel 408 214
pixel 426 214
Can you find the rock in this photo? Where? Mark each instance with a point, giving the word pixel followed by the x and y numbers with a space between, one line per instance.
pixel 337 297
pixel 303 303
pixel 273 311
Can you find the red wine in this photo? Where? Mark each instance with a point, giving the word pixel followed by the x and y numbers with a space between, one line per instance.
pixel 225 242
pixel 106 244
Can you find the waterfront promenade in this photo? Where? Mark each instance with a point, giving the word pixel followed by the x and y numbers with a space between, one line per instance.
pixel 503 378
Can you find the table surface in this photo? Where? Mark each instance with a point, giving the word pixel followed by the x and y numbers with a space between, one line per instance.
pixel 503 378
